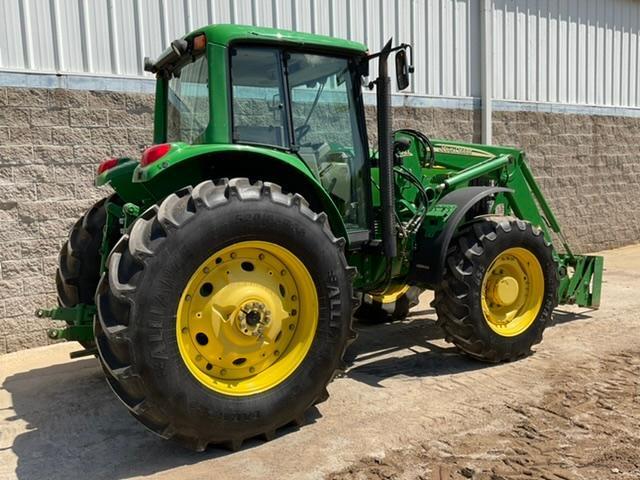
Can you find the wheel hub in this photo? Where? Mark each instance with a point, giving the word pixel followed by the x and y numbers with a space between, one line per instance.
pixel 506 290
pixel 252 318
pixel 247 318
pixel 512 291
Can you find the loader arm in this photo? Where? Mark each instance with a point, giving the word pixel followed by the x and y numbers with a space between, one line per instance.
pixel 580 275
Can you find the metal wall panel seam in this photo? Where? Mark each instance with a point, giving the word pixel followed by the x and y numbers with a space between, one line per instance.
pixel 440 30
pixel 486 52
pixel 26 31
pixel 232 11
pixel 87 51
pixel 211 11
pixel 275 13
pixel 188 15
pixel 164 15
pixel 254 13
pixel 637 102
pixel 113 37
pixel 140 48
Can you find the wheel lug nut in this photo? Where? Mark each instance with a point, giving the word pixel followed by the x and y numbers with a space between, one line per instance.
pixel 223 372
pixel 206 270
pixel 233 255
pixel 276 353
pixel 198 358
pixel 283 272
pixel 261 256
pixel 252 369
pixel 188 298
pixel 185 330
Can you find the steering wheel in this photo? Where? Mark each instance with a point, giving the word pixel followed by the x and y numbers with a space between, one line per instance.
pixel 300 132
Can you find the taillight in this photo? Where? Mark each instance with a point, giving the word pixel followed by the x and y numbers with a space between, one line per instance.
pixel 107 164
pixel 154 153
pixel 199 42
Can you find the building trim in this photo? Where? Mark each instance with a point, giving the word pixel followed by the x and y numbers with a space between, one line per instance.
pixel 134 84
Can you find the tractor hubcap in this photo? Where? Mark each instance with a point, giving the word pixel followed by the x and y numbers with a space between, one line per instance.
pixel 512 292
pixel 247 318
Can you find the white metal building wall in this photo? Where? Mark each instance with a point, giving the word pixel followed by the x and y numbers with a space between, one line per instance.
pixel 567 51
pixel 563 51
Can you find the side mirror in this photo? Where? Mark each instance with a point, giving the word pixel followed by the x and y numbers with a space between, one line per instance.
pixel 402 70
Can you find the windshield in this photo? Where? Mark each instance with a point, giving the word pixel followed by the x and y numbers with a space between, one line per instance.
pixel 327 130
pixel 188 103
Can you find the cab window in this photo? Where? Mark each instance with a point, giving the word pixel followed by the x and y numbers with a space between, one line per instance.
pixel 259 114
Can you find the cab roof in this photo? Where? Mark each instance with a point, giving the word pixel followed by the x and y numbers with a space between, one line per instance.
pixel 225 34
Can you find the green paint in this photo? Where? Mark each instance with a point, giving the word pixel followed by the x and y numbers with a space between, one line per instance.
pixel 437 218
pixel 79 321
pixel 227 34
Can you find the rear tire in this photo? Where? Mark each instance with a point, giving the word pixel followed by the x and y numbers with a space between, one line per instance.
pixel 467 311
pixel 141 298
pixel 78 270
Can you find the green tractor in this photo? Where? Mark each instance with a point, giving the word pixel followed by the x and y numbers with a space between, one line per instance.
pixel 219 281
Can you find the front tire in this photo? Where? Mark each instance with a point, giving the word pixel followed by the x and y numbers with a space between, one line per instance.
pixel 499 289
pixel 205 367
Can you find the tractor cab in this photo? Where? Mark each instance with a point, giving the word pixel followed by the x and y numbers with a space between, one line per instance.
pixel 296 93
pixel 272 91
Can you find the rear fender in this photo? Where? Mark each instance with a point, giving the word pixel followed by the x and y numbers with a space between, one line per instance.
pixel 119 179
pixel 190 164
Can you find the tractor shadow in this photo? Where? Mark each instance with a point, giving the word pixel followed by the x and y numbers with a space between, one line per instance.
pixel 415 347
pixel 409 348
pixel 78 429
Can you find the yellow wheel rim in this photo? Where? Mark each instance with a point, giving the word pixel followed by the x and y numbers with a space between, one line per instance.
pixel 512 292
pixel 247 318
pixel 391 294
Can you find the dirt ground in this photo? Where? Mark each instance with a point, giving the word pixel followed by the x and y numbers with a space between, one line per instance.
pixel 409 407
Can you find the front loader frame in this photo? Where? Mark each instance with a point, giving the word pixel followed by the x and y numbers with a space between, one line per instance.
pixel 520 195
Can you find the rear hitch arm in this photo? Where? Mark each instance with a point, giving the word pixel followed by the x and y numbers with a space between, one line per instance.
pixel 79 321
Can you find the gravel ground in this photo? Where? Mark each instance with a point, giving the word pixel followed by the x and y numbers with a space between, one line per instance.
pixel 409 407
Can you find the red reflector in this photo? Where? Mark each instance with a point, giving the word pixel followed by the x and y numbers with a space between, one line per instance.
pixel 199 42
pixel 107 164
pixel 154 153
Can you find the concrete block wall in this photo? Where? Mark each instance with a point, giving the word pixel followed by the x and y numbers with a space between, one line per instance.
pixel 588 167
pixel 51 142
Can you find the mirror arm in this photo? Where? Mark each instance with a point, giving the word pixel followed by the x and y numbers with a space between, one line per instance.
pixel 388 52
